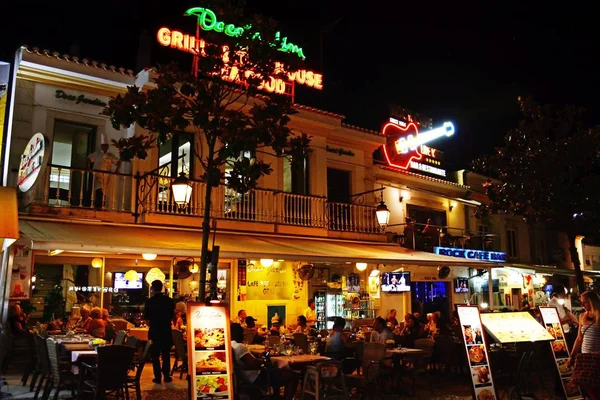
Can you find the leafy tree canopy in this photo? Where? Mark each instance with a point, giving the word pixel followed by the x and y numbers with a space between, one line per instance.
pixel 549 171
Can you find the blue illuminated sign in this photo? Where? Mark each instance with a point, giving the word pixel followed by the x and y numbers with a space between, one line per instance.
pixel 493 256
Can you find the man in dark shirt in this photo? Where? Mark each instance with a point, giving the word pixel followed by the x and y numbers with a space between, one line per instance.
pixel 158 311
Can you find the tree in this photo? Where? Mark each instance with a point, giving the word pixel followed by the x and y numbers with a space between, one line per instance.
pixel 231 118
pixel 549 169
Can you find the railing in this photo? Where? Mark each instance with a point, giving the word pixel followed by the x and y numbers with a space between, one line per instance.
pixel 426 237
pixel 84 188
pixel 352 218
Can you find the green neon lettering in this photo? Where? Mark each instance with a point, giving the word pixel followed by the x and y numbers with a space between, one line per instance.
pixel 207 20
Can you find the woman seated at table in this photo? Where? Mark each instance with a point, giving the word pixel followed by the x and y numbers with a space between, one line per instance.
pixel 381 333
pixel 177 322
pixel 411 331
pixel 431 329
pixel 17 321
pixel 253 370
pixel 336 342
pixel 97 326
pixel 303 326
pixel 83 323
pixel 392 322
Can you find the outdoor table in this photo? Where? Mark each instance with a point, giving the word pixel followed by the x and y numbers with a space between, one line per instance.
pixel 406 351
pixel 256 348
pixel 297 361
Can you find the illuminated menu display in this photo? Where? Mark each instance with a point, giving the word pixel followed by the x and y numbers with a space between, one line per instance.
pixel 475 346
pixel 560 350
pixel 512 327
pixel 209 348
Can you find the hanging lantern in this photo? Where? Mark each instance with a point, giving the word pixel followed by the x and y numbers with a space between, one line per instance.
pixel 182 190
pixel 131 275
pixel 97 263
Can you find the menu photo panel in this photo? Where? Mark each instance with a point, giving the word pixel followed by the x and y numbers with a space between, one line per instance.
pixel 210 361
pixel 477 355
pixel 560 351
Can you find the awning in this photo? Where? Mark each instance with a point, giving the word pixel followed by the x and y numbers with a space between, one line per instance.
pixel 138 239
pixel 552 270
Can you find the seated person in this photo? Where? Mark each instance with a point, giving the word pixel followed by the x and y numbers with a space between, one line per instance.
pixel 392 322
pixel 274 330
pixel 251 327
pixel 336 342
pixel 177 321
pixel 253 370
pixel 303 326
pixel 381 333
pixel 411 331
pixel 83 323
pixel 97 326
pixel 17 321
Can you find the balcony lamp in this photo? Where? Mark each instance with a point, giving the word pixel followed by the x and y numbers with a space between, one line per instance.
pixel 383 214
pixel 182 190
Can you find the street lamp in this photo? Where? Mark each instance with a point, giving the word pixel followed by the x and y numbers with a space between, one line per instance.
pixel 383 214
pixel 182 190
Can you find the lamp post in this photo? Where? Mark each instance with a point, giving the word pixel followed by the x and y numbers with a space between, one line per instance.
pixel 383 214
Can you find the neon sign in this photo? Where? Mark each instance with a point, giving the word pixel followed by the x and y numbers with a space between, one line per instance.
pixel 493 256
pixel 207 20
pixel 405 145
pixel 190 44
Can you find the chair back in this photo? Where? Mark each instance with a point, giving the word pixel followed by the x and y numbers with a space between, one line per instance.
pixel 113 363
pixel 372 352
pixel 120 338
pixel 180 348
pixel 301 340
pixel 142 361
pixel 53 360
pixel 426 345
pixel 42 352
pixel 131 341
pixel 110 332
pixel 249 336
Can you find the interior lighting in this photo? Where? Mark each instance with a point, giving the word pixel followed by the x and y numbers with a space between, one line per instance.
pixel 266 262
pixel 97 263
pixel 361 266
pixel 149 256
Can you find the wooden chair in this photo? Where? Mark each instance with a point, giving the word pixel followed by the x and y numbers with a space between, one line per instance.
pixel 60 377
pixel 133 382
pixel 180 354
pixel 109 375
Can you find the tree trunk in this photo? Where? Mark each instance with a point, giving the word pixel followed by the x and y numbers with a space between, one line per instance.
pixel 576 264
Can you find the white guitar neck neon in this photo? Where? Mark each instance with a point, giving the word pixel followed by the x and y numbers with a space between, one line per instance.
pixel 412 142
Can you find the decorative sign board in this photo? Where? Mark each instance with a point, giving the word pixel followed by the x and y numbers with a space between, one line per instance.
pixel 513 327
pixel 209 348
pixel 560 350
pixel 31 162
pixel 269 283
pixel 477 354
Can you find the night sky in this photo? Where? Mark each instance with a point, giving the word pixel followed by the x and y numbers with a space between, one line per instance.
pixel 459 61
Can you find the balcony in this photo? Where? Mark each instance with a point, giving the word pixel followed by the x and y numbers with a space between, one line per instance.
pixel 442 236
pixel 74 192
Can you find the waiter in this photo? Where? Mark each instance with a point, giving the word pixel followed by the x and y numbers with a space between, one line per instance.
pixel 310 314
pixel 158 311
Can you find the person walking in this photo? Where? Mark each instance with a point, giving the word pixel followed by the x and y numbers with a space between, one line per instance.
pixel 158 312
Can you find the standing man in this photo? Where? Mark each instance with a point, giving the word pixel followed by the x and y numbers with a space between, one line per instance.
pixel 159 311
pixel 103 160
pixel 310 314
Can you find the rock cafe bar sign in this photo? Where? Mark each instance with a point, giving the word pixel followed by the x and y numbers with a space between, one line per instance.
pixel 208 21
pixel 406 148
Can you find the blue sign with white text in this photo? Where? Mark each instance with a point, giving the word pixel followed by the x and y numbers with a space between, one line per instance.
pixel 493 256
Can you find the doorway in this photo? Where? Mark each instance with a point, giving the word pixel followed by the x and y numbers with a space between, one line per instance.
pixel 338 197
pixel 72 145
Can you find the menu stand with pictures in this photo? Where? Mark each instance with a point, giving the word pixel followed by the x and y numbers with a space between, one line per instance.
pixel 477 355
pixel 210 355
pixel 560 350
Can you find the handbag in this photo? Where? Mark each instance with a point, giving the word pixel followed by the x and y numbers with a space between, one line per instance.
pixel 587 369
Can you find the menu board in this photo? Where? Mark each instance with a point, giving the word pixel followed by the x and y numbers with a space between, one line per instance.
pixel 269 283
pixel 513 327
pixel 209 348
pixel 560 350
pixel 475 346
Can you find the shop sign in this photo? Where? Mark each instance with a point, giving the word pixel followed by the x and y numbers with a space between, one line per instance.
pixel 474 339
pixel 31 162
pixel 80 99
pixel 560 350
pixel 269 283
pixel 20 280
pixel 93 289
pixel 492 256
pixel 210 353
pixel 406 148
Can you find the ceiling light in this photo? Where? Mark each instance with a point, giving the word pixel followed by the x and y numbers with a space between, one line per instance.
pixel 361 266
pixel 97 263
pixel 149 256
pixel 194 268
pixel 266 262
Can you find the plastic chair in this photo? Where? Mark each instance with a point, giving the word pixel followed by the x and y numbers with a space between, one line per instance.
pixel 110 373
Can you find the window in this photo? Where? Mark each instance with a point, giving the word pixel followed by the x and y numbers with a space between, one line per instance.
pixel 338 186
pixel 176 156
pixel 511 243
pixel 483 230
pixel 295 176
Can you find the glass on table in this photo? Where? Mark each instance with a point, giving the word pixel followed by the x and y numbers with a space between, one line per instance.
pixel 313 347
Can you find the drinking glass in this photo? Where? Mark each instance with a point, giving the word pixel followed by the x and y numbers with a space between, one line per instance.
pixel 289 349
pixel 313 348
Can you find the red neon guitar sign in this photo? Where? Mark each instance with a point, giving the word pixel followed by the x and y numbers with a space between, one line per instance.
pixel 403 143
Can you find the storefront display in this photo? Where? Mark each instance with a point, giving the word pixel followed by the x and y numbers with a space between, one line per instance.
pixel 476 349
pixel 210 363
pixel 560 350
pixel 514 327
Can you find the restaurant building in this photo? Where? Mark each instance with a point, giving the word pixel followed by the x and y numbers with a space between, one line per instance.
pixel 302 233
